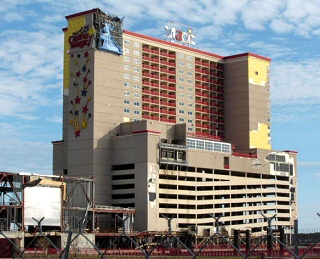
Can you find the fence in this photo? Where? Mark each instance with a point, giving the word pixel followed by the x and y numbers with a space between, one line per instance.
pixel 167 244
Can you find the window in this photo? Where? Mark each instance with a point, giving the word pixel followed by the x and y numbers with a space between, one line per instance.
pixel 190 113
pixel 280 158
pixel 127 59
pixel 190 73
pixel 126 76
pixel 126 93
pixel 181 55
pixel 189 57
pixel 190 89
pixel 136 112
pixel 209 145
pixel 125 50
pixel 136 52
pixel 191 143
pixel 136 44
pixel 190 129
pixel 181 95
pixel 226 162
pixel 217 147
pixel 190 105
pixel 126 101
pixel 189 65
pixel 181 119
pixel 181 79
pixel 136 78
pixel 226 148
pixel 284 167
pixel 136 95
pixel 136 103
pixel 181 111
pixel 136 69
pixel 127 42
pixel 181 103
pixel 180 71
pixel 190 97
pixel 125 110
pixel 136 61
pixel 126 67
pixel 190 121
pixel 181 63
pixel 199 144
pixel 181 87
pixel 136 86
pixel 189 81
pixel 257 73
pixel 127 85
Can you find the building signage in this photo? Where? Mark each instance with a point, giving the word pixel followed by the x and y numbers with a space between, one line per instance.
pixel 82 38
pixel 108 41
pixel 180 36
pixel 109 33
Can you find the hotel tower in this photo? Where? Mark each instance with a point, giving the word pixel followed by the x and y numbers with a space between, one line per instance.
pixel 171 130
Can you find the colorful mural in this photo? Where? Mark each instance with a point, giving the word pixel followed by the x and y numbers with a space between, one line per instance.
pixel 105 33
pixel 80 103
pixel 107 41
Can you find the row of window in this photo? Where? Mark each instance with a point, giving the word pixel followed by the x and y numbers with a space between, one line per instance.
pixel 127 93
pixel 128 59
pixel 127 76
pixel 181 95
pixel 181 63
pixel 182 112
pixel 127 85
pixel 180 71
pixel 134 103
pixel 135 52
pixel 209 145
pixel 135 69
pixel 190 105
pixel 135 112
pixel 136 44
pixel 181 79
pixel 181 87
pixel 181 55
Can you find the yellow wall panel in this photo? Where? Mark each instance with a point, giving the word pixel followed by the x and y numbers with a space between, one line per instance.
pixel 258 70
pixel 74 25
pixel 259 138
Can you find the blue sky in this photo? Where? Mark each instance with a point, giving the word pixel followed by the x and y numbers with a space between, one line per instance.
pixel 287 31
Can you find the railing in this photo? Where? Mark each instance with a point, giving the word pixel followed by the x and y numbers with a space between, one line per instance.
pixel 244 155
pixel 218 243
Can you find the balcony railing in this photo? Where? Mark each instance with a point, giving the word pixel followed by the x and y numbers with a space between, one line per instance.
pixel 168 120
pixel 244 155
pixel 167 104
pixel 146 108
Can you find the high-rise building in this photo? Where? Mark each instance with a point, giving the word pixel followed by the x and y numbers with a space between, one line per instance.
pixel 171 130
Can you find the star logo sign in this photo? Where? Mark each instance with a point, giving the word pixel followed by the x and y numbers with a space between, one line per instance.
pixel 77 99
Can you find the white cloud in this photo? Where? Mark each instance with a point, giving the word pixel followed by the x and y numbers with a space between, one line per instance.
pixel 295 83
pixel 289 112
pixel 30 70
pixel 271 50
pixel 281 26
pixel 12 16
pixel 257 13
pixel 309 164
pixel 18 154
pixel 226 12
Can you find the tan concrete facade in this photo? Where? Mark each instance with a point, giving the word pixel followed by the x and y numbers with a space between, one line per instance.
pixel 172 131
